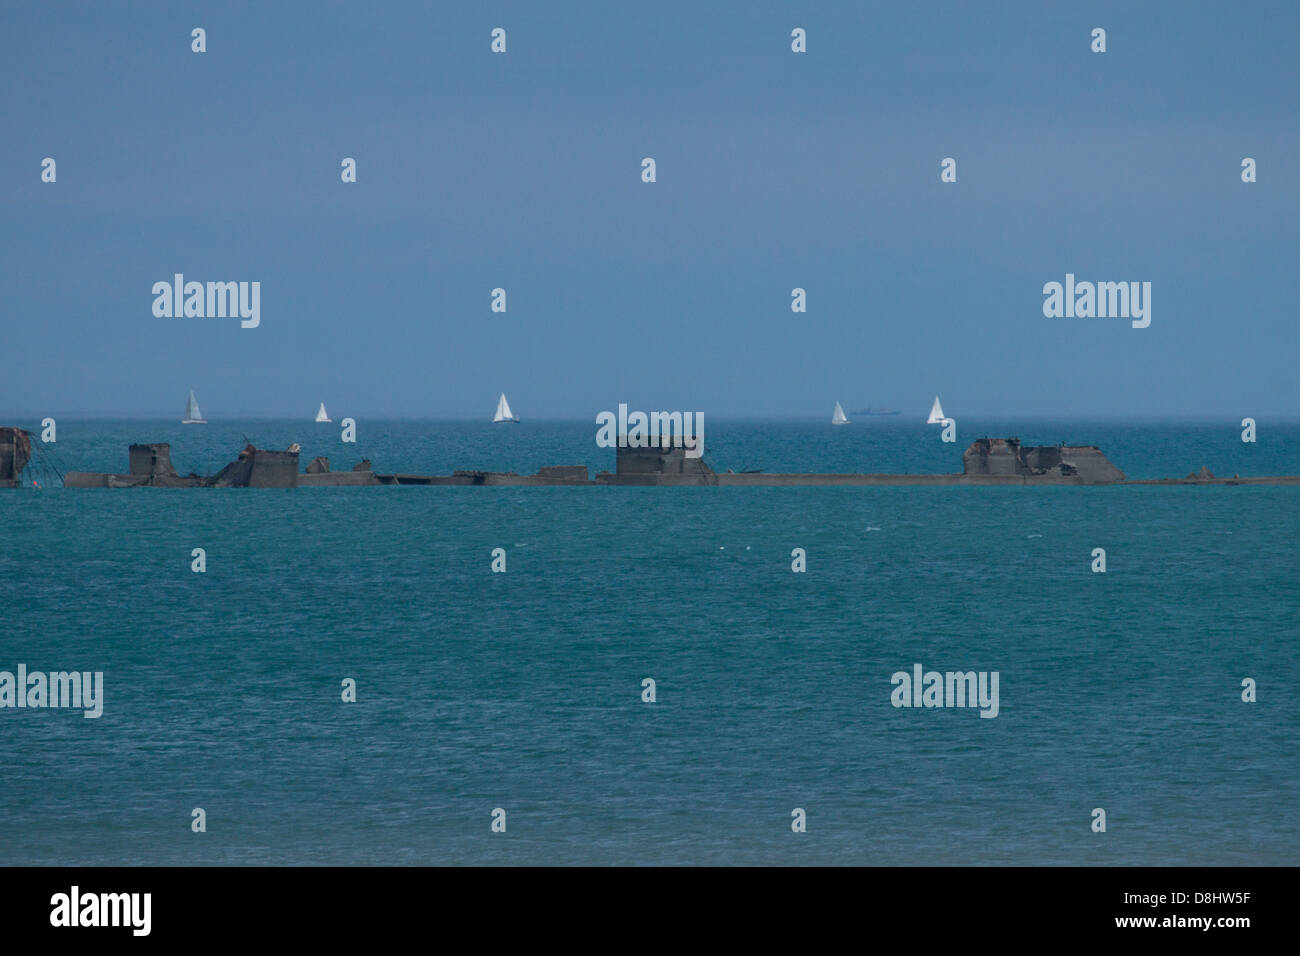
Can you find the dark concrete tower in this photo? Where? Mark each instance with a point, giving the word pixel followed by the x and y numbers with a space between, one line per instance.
pixel 15 452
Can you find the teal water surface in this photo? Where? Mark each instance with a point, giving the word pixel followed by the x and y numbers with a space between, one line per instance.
pixel 523 690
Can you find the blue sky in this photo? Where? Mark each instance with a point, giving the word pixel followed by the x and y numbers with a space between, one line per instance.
pixel 775 170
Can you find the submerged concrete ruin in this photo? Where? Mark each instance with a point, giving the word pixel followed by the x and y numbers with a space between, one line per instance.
pixel 150 466
pixel 1006 456
pixel 15 453
pixel 987 461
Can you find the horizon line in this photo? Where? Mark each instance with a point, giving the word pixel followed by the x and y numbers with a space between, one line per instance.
pixel 1234 417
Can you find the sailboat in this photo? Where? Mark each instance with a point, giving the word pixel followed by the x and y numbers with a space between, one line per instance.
pixel 503 411
pixel 322 415
pixel 838 417
pixel 192 414
pixel 936 413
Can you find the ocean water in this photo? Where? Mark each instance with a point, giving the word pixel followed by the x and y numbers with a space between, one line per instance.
pixel 522 690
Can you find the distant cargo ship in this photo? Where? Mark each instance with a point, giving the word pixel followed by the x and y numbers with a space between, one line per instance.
pixel 877 411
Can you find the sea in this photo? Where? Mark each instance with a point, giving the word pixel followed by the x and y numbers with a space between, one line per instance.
pixel 502 718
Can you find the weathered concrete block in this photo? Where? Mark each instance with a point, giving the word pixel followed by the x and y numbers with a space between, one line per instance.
pixel 273 469
pixel 85 479
pixel 151 460
pixel 337 479
pixel 260 468
pixel 15 452
pixel 563 472
pixel 1005 456
pixel 658 460
pixel 1090 464
pixel 993 456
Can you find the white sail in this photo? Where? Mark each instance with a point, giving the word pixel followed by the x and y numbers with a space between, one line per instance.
pixel 503 411
pixel 936 413
pixel 192 414
pixel 322 415
pixel 838 417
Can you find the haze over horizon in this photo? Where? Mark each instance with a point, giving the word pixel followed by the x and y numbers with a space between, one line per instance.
pixel 775 170
pixel 1229 421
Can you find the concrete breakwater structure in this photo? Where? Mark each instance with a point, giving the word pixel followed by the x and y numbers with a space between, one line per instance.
pixel 987 461
pixel 15 453
pixel 150 466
